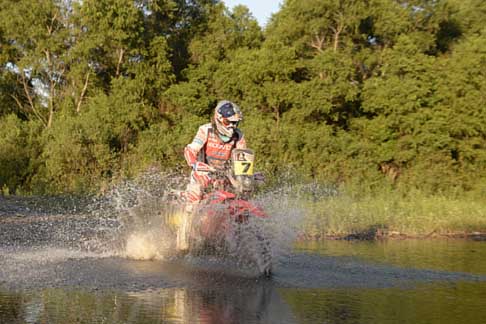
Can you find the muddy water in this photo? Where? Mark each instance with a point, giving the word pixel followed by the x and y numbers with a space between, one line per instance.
pixel 48 274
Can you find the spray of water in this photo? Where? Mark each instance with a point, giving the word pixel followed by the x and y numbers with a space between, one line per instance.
pixel 137 220
pixel 133 218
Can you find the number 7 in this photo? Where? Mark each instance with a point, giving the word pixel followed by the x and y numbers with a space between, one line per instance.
pixel 246 166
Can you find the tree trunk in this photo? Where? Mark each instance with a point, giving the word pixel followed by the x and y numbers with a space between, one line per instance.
pixel 121 52
pixel 83 92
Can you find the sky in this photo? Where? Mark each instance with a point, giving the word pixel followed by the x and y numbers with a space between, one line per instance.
pixel 261 9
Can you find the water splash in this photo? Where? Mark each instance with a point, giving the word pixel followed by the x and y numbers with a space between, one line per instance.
pixel 136 220
pixel 134 217
pixel 144 246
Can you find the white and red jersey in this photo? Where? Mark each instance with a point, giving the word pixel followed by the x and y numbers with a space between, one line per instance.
pixel 207 147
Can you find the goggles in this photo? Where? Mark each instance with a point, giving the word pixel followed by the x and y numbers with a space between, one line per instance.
pixel 227 122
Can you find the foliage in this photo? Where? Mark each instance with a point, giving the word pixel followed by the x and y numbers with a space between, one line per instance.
pixel 362 93
pixel 19 149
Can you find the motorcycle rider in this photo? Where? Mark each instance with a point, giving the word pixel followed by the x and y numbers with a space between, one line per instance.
pixel 208 151
pixel 212 147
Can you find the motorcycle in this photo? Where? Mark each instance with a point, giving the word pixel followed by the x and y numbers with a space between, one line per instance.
pixel 226 221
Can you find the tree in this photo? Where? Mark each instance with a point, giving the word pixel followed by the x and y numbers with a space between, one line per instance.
pixel 36 31
pixel 316 25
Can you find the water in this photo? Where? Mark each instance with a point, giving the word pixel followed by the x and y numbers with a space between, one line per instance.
pixel 321 285
pixel 71 263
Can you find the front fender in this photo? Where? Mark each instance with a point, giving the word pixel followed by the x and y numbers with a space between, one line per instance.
pixel 243 207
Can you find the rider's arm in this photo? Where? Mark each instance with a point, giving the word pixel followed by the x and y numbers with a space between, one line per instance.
pixel 191 151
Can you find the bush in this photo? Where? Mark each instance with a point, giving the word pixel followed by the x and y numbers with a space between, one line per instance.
pixel 19 149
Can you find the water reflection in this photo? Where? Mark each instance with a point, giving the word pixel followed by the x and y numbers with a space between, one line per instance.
pixel 447 255
pixel 428 304
pixel 432 303
pixel 254 304
pixel 330 282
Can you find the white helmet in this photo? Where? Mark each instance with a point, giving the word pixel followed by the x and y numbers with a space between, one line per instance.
pixel 227 115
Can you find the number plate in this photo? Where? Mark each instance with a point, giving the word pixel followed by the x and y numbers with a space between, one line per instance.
pixel 243 161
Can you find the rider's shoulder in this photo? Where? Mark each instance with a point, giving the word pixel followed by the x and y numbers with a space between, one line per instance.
pixel 205 128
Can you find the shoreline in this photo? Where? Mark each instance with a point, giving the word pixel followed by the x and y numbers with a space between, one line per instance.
pixel 379 236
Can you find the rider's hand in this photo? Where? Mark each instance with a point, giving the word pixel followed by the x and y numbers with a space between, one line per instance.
pixel 202 167
pixel 201 172
pixel 259 177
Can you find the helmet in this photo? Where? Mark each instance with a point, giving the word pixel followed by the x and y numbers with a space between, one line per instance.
pixel 227 115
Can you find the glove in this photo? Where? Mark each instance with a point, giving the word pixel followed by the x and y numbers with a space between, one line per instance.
pixel 200 173
pixel 259 177
pixel 201 167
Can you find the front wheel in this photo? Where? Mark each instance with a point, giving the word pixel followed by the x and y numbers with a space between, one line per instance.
pixel 183 233
pixel 263 255
pixel 253 247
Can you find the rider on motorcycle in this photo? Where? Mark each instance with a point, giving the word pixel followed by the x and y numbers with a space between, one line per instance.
pixel 212 147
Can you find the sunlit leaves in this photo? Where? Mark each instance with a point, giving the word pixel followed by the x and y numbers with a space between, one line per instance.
pixel 334 89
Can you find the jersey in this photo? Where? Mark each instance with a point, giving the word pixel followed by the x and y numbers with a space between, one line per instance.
pixel 207 147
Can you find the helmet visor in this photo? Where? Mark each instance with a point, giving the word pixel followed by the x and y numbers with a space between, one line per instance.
pixel 227 122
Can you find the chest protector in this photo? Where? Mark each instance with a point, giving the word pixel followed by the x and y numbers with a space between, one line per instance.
pixel 216 152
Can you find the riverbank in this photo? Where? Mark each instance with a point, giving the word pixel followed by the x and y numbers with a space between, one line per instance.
pixel 377 234
pixel 394 215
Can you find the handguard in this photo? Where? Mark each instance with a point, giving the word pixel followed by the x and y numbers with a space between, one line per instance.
pixel 201 172
pixel 202 167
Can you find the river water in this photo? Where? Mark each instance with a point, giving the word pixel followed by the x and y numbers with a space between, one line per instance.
pixel 47 275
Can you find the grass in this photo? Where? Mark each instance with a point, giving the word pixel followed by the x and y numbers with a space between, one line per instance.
pixel 393 212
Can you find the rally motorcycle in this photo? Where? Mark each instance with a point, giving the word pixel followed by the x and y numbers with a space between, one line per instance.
pixel 225 221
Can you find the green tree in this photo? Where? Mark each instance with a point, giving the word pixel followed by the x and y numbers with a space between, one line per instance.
pixel 37 32
pixel 19 149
